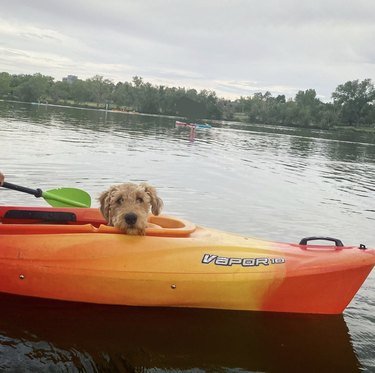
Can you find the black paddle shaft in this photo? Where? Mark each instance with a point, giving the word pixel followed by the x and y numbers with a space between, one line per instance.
pixel 35 192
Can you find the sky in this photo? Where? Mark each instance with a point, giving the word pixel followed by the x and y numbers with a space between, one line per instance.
pixel 234 47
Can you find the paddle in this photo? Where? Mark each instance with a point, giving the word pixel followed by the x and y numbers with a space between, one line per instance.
pixel 62 197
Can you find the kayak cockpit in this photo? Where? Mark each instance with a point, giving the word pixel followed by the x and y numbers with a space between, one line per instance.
pixel 45 220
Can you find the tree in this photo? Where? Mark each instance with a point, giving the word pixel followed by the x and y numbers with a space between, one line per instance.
pixel 60 91
pixel 307 98
pixel 308 106
pixel 147 99
pixel 100 89
pixel 123 94
pixel 34 88
pixel 281 99
pixel 258 107
pixel 353 100
pixel 80 91
pixel 5 80
pixel 137 81
pixel 210 101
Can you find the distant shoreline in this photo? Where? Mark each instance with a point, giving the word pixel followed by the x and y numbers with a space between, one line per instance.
pixel 352 105
pixel 359 129
pixel 84 107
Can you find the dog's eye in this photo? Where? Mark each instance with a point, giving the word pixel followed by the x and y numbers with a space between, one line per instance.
pixel 119 201
pixel 140 200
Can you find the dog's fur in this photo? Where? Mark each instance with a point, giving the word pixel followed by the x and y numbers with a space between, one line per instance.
pixel 126 206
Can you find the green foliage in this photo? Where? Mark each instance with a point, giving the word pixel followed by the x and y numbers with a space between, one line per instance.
pixel 60 91
pixel 353 101
pixel 33 87
pixel 353 104
pixel 79 92
pixel 5 80
pixel 100 89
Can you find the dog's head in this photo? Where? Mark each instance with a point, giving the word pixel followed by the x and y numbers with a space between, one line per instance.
pixel 126 206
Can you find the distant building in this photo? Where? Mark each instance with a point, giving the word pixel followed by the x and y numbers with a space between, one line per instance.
pixel 70 79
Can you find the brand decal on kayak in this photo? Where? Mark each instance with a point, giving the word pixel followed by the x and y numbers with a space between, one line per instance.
pixel 244 262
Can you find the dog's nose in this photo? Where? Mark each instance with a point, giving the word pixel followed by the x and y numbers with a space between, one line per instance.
pixel 131 218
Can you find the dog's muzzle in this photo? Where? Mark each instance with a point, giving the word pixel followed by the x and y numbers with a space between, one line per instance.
pixel 130 218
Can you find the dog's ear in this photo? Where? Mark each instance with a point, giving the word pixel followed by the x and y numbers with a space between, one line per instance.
pixel 156 202
pixel 105 202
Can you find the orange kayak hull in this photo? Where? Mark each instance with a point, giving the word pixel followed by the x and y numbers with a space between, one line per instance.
pixel 175 265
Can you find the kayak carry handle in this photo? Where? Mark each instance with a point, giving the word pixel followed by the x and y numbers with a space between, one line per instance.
pixel 335 240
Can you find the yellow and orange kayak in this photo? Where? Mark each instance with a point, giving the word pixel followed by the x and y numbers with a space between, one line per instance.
pixel 70 254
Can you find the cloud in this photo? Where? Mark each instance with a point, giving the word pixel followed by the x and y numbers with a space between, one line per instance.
pixel 218 45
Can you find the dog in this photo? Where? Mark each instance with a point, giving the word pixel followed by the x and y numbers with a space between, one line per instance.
pixel 127 206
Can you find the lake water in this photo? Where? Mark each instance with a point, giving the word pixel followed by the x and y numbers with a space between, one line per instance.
pixel 274 183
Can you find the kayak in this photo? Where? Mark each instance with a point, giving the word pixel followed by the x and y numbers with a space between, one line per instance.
pixel 71 254
pixel 192 125
pixel 202 125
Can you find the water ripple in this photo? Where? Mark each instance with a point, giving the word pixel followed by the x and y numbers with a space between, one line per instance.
pixel 275 183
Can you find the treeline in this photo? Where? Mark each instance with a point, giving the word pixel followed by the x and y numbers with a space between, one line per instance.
pixel 353 105
pixel 352 102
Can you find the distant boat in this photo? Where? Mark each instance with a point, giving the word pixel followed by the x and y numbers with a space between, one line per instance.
pixel 192 125
pixel 202 125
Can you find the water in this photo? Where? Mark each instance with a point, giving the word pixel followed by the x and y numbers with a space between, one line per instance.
pixel 274 183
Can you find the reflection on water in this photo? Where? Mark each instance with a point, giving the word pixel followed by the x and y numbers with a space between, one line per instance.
pixel 37 334
pixel 270 182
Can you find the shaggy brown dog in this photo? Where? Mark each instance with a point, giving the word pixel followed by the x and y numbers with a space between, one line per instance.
pixel 126 206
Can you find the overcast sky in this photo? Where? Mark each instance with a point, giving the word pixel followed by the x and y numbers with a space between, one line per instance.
pixel 234 47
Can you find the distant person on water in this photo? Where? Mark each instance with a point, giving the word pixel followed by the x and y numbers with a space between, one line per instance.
pixel 2 177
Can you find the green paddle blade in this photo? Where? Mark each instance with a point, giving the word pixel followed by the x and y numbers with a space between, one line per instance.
pixel 67 197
